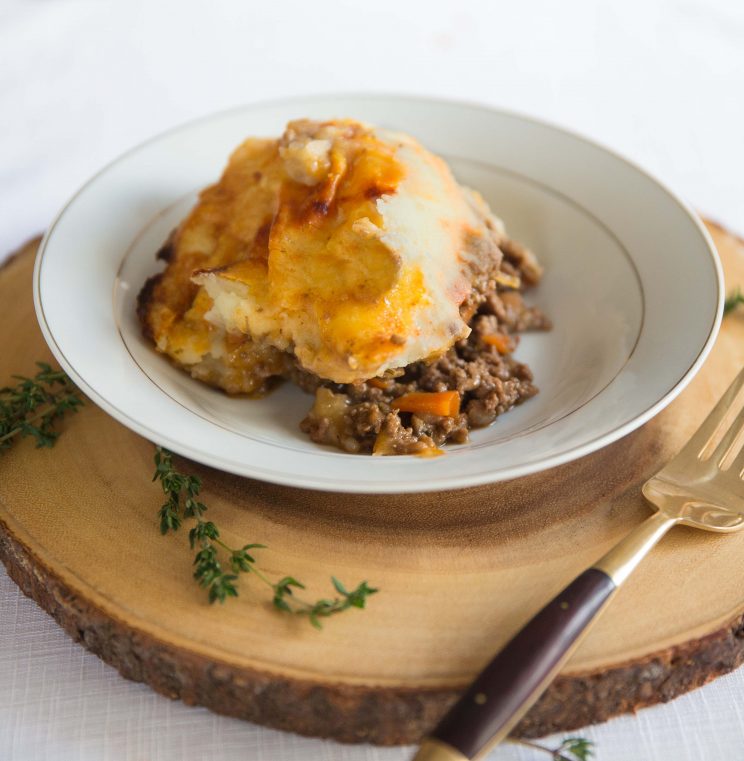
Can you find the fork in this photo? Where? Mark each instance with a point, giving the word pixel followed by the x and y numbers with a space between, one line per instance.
pixel 702 487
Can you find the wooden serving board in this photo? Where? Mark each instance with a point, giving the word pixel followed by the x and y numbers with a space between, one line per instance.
pixel 458 572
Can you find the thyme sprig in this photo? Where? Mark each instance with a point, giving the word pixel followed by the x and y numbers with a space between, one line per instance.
pixel 733 300
pixel 570 749
pixel 33 406
pixel 217 565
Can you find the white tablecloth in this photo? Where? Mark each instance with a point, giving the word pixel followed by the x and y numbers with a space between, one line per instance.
pixel 662 82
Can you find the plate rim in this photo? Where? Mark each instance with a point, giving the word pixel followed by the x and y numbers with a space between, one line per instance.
pixel 376 486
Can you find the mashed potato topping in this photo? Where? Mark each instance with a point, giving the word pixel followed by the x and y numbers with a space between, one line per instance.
pixel 369 254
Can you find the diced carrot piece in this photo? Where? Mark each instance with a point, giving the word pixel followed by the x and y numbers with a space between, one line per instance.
pixel 430 452
pixel 503 344
pixel 443 403
pixel 378 383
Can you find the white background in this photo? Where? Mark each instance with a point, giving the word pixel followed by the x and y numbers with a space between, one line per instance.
pixel 662 82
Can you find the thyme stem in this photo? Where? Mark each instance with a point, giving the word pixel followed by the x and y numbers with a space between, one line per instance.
pixel 182 493
pixel 33 418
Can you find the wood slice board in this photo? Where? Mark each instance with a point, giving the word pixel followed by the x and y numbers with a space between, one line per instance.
pixel 459 572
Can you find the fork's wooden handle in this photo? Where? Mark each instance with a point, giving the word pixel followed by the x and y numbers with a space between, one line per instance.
pixel 519 673
pixel 506 689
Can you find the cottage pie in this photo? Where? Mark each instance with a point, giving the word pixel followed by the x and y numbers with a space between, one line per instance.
pixel 347 259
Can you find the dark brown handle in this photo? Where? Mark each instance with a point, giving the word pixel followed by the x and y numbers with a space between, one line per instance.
pixel 518 675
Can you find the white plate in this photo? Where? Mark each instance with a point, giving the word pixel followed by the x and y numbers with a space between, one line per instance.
pixel 632 283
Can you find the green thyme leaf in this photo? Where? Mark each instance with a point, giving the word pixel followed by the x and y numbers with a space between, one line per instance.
pixel 574 749
pixel 734 299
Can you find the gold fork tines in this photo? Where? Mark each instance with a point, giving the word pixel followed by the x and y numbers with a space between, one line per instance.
pixel 701 487
pixel 702 446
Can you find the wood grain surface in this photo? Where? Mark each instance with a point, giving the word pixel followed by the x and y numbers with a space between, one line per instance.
pixel 459 572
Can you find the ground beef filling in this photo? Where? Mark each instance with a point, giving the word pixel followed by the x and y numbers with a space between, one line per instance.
pixel 360 417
